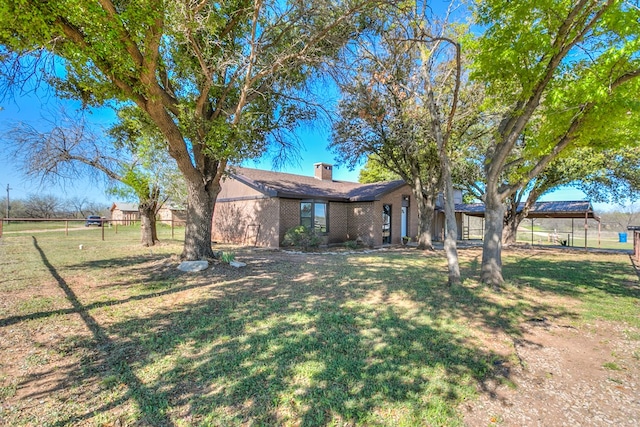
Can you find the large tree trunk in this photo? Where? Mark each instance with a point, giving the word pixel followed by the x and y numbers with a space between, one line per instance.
pixel 510 230
pixel 512 220
pixel 197 235
pixel 426 207
pixel 492 246
pixel 148 208
pixel 451 236
pixel 149 235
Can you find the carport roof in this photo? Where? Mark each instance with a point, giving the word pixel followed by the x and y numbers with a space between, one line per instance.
pixel 573 209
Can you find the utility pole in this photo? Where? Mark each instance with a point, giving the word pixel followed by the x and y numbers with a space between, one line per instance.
pixel 8 206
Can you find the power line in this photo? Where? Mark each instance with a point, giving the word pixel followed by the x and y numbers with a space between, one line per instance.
pixel 8 205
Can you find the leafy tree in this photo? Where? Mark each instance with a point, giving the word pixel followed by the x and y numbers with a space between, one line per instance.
pixel 617 177
pixel 374 171
pixel 133 158
pixel 563 70
pixel 220 80
pixel 379 115
pixel 608 175
pixel 400 103
pixel 384 113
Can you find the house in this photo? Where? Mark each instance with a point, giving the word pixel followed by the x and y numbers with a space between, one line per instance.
pixel 257 207
pixel 172 214
pixel 128 213
pixel 124 213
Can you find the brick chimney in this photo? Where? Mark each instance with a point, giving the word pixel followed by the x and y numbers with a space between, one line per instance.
pixel 323 171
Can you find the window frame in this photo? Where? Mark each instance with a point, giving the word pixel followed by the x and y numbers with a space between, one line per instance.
pixel 310 221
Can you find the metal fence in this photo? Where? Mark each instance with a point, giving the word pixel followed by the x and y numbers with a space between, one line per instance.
pixel 70 224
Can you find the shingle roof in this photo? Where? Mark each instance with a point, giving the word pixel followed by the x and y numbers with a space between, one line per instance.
pixel 280 184
pixel 125 207
pixel 570 209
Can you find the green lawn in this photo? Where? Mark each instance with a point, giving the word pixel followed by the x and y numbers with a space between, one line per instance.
pixel 113 333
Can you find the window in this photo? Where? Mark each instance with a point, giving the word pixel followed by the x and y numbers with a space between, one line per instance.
pixel 314 215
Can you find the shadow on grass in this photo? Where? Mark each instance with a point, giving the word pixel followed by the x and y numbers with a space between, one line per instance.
pixel 573 277
pixel 109 354
pixel 367 340
pixel 296 357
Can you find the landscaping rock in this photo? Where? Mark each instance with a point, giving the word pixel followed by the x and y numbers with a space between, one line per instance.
pixel 193 266
pixel 237 264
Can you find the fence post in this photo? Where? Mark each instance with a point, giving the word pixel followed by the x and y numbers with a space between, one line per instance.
pixel 66 227
pixel 1 223
pixel 172 227
pixel 102 227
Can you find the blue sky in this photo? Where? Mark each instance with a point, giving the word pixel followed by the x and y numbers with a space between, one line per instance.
pixel 36 111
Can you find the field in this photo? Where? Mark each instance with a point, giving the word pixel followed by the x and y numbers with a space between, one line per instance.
pixel 112 334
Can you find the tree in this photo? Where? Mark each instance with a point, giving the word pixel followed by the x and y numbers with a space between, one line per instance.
pixel 576 61
pixel 374 171
pixel 617 179
pixel 42 206
pixel 81 207
pixel 609 175
pixel 400 103
pixel 132 158
pixel 220 80
pixel 381 115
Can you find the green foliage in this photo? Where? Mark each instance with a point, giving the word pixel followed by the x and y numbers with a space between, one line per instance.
pixel 221 81
pixel 227 257
pixel 301 237
pixel 351 244
pixel 374 171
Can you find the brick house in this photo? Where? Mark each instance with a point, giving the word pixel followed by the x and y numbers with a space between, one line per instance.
pixel 128 213
pixel 257 207
pixel 172 214
pixel 124 213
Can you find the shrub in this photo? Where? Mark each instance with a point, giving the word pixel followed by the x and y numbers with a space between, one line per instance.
pixel 301 237
pixel 351 244
pixel 227 257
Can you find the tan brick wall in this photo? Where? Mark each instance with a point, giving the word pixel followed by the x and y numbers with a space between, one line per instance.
pixel 361 221
pixel 166 215
pixel 289 216
pixel 338 222
pixel 247 222
pixel 124 217
pixel 395 200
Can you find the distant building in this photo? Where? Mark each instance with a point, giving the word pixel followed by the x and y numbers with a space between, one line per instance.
pixel 127 213
pixel 124 213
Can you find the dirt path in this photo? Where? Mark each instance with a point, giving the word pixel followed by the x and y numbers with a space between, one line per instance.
pixel 565 377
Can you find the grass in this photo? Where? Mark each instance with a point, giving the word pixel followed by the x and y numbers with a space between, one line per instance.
pixel 371 339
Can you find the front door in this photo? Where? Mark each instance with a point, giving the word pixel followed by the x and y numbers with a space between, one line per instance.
pixel 386 224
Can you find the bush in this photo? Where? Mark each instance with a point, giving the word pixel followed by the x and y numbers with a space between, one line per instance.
pixel 228 257
pixel 351 244
pixel 301 237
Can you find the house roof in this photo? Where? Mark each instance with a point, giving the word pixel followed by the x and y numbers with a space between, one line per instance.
pixel 125 207
pixel 572 209
pixel 286 185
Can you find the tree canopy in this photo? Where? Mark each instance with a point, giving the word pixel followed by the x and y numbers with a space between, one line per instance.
pixel 220 80
pixel 562 70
